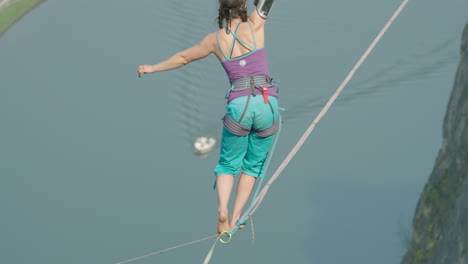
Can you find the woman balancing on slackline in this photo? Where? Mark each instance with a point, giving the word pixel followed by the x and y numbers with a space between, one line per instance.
pixel 252 106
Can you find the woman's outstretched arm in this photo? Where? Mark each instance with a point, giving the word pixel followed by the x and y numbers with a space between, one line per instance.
pixel 199 51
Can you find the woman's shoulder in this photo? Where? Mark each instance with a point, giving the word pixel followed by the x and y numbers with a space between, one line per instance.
pixel 209 41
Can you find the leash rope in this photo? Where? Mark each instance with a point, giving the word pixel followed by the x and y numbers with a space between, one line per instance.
pixel 248 213
pixel 258 200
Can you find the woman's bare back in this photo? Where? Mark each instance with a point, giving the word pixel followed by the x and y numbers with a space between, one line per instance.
pixel 244 32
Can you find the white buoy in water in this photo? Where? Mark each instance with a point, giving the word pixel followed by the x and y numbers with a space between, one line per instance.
pixel 204 145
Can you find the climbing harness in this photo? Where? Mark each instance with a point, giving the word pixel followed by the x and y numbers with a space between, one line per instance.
pixel 254 85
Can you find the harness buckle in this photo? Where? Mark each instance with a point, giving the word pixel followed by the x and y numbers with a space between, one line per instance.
pixel 252 85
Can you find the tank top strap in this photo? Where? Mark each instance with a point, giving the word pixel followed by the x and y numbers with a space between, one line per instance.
pixel 253 34
pixel 231 48
pixel 219 46
pixel 241 41
pixel 236 38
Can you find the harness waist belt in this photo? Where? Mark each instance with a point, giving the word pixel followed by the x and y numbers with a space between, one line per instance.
pixel 249 81
pixel 252 85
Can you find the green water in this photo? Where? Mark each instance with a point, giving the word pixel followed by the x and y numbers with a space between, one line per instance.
pixel 96 165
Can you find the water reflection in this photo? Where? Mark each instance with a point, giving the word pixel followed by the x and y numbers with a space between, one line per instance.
pixel 419 65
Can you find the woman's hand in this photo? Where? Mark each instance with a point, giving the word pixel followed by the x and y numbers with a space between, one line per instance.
pixel 142 69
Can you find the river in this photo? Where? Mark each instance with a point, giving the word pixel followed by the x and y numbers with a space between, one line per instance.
pixel 97 166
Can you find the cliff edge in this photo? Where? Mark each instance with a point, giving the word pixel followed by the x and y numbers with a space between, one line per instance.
pixel 440 224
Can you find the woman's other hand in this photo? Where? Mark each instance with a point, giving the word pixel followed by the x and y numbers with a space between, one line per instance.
pixel 142 69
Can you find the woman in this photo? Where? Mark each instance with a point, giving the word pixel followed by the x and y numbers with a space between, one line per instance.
pixel 252 109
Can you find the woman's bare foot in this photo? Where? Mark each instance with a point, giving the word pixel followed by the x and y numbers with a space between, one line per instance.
pixel 223 224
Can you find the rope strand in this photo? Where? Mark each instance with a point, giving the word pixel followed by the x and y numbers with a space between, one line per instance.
pixel 168 249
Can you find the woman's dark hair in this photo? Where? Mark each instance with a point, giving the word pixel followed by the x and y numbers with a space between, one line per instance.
pixel 229 9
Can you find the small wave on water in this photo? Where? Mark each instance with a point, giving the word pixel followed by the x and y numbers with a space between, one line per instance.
pixel 418 65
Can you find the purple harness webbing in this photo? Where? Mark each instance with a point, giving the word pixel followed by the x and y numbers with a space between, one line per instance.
pixel 237 129
pixel 256 91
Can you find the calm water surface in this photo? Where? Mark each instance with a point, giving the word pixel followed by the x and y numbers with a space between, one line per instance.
pixel 96 165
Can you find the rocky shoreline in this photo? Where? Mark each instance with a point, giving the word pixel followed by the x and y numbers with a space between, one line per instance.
pixel 440 224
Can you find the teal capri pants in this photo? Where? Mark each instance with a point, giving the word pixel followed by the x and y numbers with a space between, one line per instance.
pixel 247 153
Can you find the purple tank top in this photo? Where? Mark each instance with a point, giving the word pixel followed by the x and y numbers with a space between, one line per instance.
pixel 251 64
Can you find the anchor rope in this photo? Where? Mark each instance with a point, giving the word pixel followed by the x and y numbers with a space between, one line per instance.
pixel 168 249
